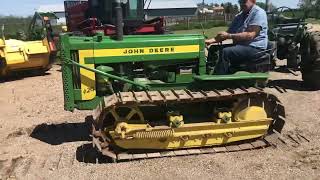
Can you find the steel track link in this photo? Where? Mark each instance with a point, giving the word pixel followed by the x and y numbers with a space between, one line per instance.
pixel 123 99
pixel 129 156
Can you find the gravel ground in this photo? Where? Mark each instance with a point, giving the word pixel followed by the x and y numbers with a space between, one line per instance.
pixel 30 105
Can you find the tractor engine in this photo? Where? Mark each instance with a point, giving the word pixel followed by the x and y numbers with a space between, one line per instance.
pixel 154 60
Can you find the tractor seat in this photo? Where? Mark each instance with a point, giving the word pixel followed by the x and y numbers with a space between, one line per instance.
pixel 263 62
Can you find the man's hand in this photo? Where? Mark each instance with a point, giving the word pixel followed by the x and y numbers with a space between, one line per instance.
pixel 210 41
pixel 222 36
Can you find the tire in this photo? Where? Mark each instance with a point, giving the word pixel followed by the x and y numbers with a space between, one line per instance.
pixel 3 66
pixel 310 65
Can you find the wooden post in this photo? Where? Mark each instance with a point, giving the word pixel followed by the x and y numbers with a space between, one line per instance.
pixel 267 6
pixel 205 18
pixel 188 22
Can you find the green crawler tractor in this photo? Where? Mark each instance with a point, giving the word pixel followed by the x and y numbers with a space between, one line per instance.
pixel 155 95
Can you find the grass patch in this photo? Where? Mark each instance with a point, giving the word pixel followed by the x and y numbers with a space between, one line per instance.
pixel 197 25
pixel 210 33
pixel 313 21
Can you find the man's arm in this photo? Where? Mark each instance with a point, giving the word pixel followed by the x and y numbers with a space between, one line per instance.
pixel 251 33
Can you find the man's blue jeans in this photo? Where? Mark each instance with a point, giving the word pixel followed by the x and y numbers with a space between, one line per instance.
pixel 236 55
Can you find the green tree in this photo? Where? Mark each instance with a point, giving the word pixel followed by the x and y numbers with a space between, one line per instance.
pixel 228 8
pixel 201 5
pixel 309 6
pixel 14 26
pixel 263 6
pixel 306 6
pixel 235 9
pixel 317 8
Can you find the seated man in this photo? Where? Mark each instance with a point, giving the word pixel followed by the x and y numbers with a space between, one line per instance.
pixel 249 33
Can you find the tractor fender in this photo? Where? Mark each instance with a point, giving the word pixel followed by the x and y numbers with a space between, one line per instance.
pixel 310 65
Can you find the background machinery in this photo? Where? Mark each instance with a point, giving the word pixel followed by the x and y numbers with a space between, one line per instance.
pixel 92 16
pixel 156 96
pixel 290 40
pixel 300 47
pixel 35 52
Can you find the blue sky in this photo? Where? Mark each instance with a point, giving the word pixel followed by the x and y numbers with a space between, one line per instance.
pixel 27 7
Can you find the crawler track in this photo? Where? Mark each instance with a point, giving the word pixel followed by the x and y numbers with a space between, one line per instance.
pixel 284 142
pixel 288 141
pixel 104 144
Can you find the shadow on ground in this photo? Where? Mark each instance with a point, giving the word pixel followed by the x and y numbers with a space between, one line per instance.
pixel 285 70
pixel 22 75
pixel 88 154
pixel 285 84
pixel 56 134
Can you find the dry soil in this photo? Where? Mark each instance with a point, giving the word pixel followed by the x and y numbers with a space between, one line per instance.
pixel 32 148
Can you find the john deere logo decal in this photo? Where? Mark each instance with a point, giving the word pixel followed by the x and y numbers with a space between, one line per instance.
pixel 158 50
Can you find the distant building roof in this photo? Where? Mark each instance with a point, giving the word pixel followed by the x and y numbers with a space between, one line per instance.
pixel 172 8
pixel 51 8
pixel 160 4
pixel 217 8
pixel 156 8
pixel 172 12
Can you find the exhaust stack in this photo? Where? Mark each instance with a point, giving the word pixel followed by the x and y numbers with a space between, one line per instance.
pixel 119 21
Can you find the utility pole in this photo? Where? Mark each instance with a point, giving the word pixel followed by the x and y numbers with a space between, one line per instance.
pixel 202 5
pixel 204 14
pixel 267 5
